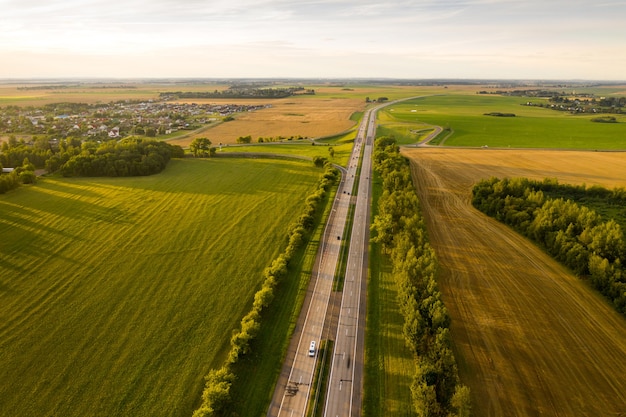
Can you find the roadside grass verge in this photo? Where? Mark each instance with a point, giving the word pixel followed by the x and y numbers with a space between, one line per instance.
pixel 119 294
pixel 405 133
pixel 342 264
pixel 320 380
pixel 340 273
pixel 389 364
pixel 258 371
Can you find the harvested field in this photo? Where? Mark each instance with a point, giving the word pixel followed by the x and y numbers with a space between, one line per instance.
pixel 306 116
pixel 530 338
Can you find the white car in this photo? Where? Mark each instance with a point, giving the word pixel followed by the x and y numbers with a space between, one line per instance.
pixel 312 348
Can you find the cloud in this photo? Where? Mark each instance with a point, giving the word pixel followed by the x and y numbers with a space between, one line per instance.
pixel 397 37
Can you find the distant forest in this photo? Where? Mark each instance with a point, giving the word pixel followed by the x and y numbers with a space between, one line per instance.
pixel 239 92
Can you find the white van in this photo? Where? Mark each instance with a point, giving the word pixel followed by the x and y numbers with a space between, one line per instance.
pixel 312 348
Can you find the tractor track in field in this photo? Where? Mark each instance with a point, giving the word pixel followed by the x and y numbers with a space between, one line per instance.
pixel 530 338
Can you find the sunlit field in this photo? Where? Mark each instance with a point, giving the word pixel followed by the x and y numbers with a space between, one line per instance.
pixel 531 338
pixel 118 295
pixel 465 123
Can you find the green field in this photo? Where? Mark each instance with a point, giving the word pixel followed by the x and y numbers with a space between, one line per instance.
pixel 118 295
pixel 342 150
pixel 533 127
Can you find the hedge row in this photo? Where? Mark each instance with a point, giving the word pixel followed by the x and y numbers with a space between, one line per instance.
pixel 399 228
pixel 216 398
pixel 573 234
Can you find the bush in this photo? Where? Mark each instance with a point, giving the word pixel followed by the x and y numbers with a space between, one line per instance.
pixel 8 182
pixel 28 177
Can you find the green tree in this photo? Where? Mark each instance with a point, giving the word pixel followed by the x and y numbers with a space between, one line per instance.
pixel 461 402
pixel 216 396
pixel 27 166
pixel 244 139
pixel 28 177
pixel 200 147
pixel 331 152
pixel 319 161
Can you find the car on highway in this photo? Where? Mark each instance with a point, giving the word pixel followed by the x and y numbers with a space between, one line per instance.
pixel 312 348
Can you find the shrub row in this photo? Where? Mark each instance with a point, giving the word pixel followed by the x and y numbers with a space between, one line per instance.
pixel 399 228
pixel 216 398
pixel 573 234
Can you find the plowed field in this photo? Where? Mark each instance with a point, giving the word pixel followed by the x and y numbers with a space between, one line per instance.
pixel 531 339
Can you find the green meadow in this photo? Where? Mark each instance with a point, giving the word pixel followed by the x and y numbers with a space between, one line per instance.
pixel 342 147
pixel 118 295
pixel 465 123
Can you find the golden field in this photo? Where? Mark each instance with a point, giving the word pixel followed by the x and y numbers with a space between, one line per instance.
pixel 531 339
pixel 306 116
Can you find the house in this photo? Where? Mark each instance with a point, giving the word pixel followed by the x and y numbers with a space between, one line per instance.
pixel 7 170
pixel 114 133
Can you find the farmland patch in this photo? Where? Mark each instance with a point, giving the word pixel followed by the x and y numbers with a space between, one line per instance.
pixel 116 294
pixel 531 338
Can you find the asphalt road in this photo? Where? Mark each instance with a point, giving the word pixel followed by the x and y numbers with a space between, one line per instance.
pixel 345 384
pixel 291 399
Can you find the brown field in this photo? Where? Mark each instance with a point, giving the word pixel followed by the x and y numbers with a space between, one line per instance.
pixel 531 339
pixel 306 116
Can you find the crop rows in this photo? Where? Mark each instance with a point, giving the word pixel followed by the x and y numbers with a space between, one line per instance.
pixel 115 294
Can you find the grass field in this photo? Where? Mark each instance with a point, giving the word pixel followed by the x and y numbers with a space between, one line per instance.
pixel 530 338
pixel 533 127
pixel 295 149
pixel 260 370
pixel 118 295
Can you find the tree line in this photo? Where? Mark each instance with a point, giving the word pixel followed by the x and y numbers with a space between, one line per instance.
pixel 72 157
pixel 126 158
pixel 216 397
pixel 400 230
pixel 574 234
pixel 239 92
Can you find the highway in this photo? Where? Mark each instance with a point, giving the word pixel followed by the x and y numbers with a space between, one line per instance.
pixel 345 384
pixel 291 399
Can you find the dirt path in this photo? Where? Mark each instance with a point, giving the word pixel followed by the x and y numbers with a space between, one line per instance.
pixel 531 339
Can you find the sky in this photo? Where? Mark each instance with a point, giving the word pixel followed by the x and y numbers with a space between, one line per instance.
pixel 409 39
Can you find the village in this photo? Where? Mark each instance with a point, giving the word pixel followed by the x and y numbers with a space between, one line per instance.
pixel 113 120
